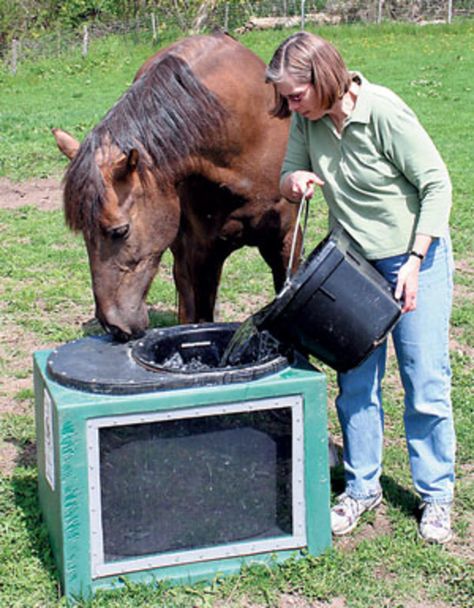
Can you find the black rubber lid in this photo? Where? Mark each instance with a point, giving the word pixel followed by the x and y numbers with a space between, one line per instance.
pixel 100 365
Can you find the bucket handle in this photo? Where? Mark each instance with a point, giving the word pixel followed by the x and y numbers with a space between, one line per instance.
pixel 302 210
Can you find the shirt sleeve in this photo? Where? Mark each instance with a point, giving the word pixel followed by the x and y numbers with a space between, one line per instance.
pixel 297 156
pixel 409 147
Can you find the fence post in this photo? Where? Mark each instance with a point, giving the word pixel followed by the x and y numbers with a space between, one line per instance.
pixel 153 28
pixel 137 28
pixel 85 42
pixel 14 55
pixel 302 15
pixel 226 17
pixel 379 11
pixel 450 11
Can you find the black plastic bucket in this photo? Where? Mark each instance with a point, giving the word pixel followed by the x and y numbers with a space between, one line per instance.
pixel 337 306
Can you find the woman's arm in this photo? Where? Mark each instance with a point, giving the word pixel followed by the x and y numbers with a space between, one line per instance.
pixel 409 147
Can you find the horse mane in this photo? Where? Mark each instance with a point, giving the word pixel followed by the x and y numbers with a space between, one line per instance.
pixel 167 114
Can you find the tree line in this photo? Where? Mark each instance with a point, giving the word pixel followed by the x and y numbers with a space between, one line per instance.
pixel 20 17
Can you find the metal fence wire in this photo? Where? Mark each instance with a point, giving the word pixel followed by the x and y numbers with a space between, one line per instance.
pixel 238 18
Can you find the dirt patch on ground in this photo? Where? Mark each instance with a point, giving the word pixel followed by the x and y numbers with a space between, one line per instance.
pixel 8 457
pixel 286 600
pixel 16 348
pixel 46 194
pixel 418 604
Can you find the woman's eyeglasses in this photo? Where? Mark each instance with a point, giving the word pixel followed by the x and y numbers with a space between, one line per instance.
pixel 298 96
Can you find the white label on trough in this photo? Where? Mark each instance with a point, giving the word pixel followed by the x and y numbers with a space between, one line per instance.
pixel 193 344
pixel 48 439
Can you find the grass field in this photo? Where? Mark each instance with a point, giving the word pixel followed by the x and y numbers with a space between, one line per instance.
pixel 45 299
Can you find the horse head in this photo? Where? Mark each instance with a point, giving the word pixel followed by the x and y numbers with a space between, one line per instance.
pixel 127 222
pixel 188 158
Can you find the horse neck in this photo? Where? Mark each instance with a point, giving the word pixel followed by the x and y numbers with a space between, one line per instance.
pixel 230 176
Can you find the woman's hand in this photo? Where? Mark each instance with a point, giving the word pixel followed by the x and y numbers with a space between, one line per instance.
pixel 407 283
pixel 298 183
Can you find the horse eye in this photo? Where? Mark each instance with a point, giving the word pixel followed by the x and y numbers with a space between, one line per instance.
pixel 120 232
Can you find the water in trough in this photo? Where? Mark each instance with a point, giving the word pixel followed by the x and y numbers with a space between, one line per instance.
pixel 250 342
pixel 247 345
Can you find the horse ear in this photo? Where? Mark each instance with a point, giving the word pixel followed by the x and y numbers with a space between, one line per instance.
pixel 66 143
pixel 126 165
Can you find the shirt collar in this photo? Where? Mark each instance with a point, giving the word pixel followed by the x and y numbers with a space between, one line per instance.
pixel 361 112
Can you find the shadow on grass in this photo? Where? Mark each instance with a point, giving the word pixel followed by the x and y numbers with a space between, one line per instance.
pixel 26 457
pixel 162 318
pixel 25 489
pixel 399 497
pixel 406 501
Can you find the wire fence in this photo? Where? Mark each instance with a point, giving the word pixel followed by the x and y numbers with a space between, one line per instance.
pixel 159 25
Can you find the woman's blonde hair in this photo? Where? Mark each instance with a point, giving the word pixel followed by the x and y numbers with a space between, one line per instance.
pixel 307 58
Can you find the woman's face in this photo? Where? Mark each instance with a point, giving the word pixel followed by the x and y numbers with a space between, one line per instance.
pixel 301 98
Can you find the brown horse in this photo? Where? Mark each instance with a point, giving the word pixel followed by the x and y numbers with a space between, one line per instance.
pixel 188 158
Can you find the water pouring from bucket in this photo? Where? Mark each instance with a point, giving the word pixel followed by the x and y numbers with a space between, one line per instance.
pixel 336 306
pixel 250 340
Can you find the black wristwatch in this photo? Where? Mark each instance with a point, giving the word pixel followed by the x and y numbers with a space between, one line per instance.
pixel 417 254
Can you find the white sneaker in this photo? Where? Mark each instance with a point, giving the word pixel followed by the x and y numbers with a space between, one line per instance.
pixel 435 524
pixel 346 514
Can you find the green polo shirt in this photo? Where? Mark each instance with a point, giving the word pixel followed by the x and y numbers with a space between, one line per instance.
pixel 384 179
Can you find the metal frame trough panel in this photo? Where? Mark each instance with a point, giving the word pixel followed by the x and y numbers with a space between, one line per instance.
pixel 68 423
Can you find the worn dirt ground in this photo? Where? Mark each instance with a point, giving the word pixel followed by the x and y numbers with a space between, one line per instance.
pixel 46 194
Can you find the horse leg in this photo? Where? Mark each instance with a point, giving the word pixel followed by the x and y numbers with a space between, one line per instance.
pixel 184 287
pixel 206 238
pixel 207 275
pixel 197 271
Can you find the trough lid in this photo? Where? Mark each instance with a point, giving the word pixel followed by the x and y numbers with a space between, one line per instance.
pixel 98 364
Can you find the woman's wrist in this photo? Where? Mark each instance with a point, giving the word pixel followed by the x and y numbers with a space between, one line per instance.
pixel 417 254
pixel 420 246
pixel 413 262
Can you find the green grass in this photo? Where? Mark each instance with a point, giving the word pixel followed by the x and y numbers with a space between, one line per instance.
pixel 46 299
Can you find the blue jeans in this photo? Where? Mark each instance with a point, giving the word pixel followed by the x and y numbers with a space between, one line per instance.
pixel 422 349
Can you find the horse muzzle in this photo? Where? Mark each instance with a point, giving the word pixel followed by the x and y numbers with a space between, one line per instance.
pixel 123 327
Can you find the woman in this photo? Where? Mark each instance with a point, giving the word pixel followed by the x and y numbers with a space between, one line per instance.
pixel 386 184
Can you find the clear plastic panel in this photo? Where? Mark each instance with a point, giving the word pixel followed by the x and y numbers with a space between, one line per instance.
pixel 190 483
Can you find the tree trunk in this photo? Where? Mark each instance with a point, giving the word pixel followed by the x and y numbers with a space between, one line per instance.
pixel 199 22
